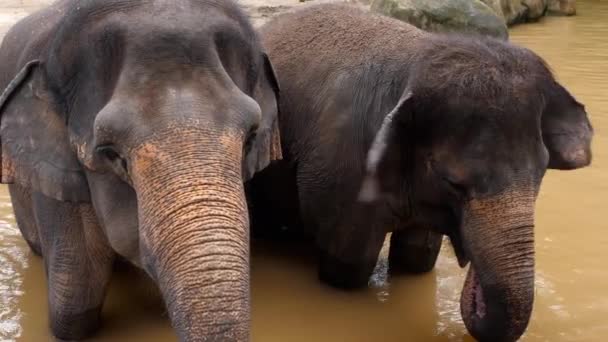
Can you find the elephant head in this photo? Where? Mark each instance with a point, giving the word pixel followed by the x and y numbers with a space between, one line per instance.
pixel 156 114
pixel 472 136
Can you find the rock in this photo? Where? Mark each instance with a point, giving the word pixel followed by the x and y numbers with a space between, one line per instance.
pixel 495 5
pixel 445 15
pixel 536 8
pixel 562 7
pixel 521 11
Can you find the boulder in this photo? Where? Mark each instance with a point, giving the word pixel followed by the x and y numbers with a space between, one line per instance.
pixel 495 5
pixel 521 11
pixel 562 7
pixel 445 15
pixel 536 8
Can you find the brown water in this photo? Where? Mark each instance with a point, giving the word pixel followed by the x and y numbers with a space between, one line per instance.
pixel 289 304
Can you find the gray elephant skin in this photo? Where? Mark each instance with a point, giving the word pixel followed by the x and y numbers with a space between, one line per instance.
pixel 385 128
pixel 128 129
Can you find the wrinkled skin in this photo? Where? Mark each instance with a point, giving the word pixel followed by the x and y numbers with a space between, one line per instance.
pixel 128 129
pixel 388 128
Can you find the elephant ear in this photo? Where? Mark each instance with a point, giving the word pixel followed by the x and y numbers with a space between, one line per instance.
pixel 371 188
pixel 34 140
pixel 266 144
pixel 566 130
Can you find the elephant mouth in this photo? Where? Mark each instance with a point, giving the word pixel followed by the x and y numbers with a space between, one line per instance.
pixel 472 301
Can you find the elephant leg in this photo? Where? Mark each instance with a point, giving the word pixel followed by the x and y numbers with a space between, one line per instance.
pixel 21 199
pixel 349 234
pixel 414 249
pixel 272 199
pixel 78 262
pixel 349 251
pixel 350 265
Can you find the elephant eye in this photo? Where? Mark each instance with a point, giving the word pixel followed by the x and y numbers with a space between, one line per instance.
pixel 448 181
pixel 249 141
pixel 114 159
pixel 459 188
pixel 108 152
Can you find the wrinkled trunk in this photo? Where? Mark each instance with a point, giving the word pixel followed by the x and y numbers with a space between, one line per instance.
pixel 194 233
pixel 498 237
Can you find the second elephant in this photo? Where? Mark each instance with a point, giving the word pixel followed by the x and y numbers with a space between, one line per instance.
pixel 385 128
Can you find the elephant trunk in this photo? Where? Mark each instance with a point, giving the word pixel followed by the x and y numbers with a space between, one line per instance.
pixel 498 237
pixel 194 233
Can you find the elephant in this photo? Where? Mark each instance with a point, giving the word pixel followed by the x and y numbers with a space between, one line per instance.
pixel 128 129
pixel 386 128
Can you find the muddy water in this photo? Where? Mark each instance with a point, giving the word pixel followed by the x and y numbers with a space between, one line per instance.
pixel 289 304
